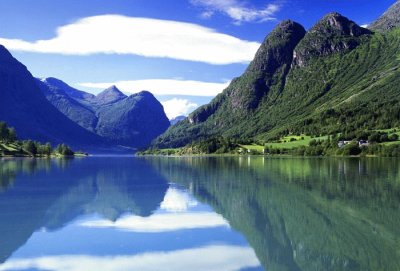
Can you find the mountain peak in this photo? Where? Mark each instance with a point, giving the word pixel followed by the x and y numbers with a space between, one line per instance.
pixel 338 24
pixel 56 84
pixel 51 80
pixel 277 47
pixel 110 95
pixel 112 89
pixel 334 33
pixel 272 60
pixel 389 20
pixel 145 93
pixel 4 53
pixel 9 62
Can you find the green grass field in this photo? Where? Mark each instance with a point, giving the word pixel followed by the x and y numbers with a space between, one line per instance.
pixel 390 143
pixel 390 132
pixel 285 143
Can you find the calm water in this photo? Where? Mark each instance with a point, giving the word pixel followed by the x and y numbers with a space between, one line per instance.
pixel 220 214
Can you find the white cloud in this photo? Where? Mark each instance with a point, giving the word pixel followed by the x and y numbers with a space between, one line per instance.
pixel 165 87
pixel 237 10
pixel 365 25
pixel 177 201
pixel 212 258
pixel 178 107
pixel 162 222
pixel 116 34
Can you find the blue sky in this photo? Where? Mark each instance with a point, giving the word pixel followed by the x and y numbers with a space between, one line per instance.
pixel 184 51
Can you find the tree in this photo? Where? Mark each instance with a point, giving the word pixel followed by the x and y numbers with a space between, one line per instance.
pixel 393 137
pixel 63 149
pixel 47 149
pixel 375 137
pixel 351 149
pixel 12 135
pixel 30 147
pixel 3 131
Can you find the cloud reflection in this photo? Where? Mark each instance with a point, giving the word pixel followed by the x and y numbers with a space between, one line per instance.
pixel 221 258
pixel 177 201
pixel 161 222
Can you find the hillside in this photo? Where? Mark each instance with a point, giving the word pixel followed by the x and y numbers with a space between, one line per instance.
pixel 335 78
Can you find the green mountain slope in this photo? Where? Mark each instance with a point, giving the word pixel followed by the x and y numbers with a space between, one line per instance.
pixel 337 77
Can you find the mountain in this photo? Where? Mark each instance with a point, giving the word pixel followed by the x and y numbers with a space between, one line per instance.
pixel 389 20
pixel 24 107
pixel 176 120
pixel 132 121
pixel 62 96
pixel 54 83
pixel 336 77
pixel 333 34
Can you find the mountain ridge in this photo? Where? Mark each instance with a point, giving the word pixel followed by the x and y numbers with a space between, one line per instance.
pixel 24 107
pixel 389 20
pixel 338 69
pixel 132 121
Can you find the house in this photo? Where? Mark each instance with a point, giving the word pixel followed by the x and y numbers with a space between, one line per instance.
pixel 363 143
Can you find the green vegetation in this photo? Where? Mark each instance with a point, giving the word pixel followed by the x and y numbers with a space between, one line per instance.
pixel 384 143
pixel 348 90
pixel 214 145
pixel 10 146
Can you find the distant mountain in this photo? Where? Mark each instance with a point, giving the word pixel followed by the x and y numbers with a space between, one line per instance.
pixel 177 119
pixel 337 77
pixel 56 84
pixel 23 106
pixel 132 121
pixel 62 97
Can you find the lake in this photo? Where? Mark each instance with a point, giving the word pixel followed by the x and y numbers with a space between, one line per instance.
pixel 199 213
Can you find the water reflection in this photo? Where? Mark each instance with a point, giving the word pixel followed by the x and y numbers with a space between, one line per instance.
pixel 52 198
pixel 200 214
pixel 111 214
pixel 303 214
pixel 224 258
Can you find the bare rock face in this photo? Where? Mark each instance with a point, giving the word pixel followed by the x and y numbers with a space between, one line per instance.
pixel 389 20
pixel 334 33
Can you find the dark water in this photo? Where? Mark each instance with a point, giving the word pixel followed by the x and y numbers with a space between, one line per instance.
pixel 220 214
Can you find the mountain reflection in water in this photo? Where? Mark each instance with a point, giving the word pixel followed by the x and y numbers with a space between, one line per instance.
pixel 228 213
